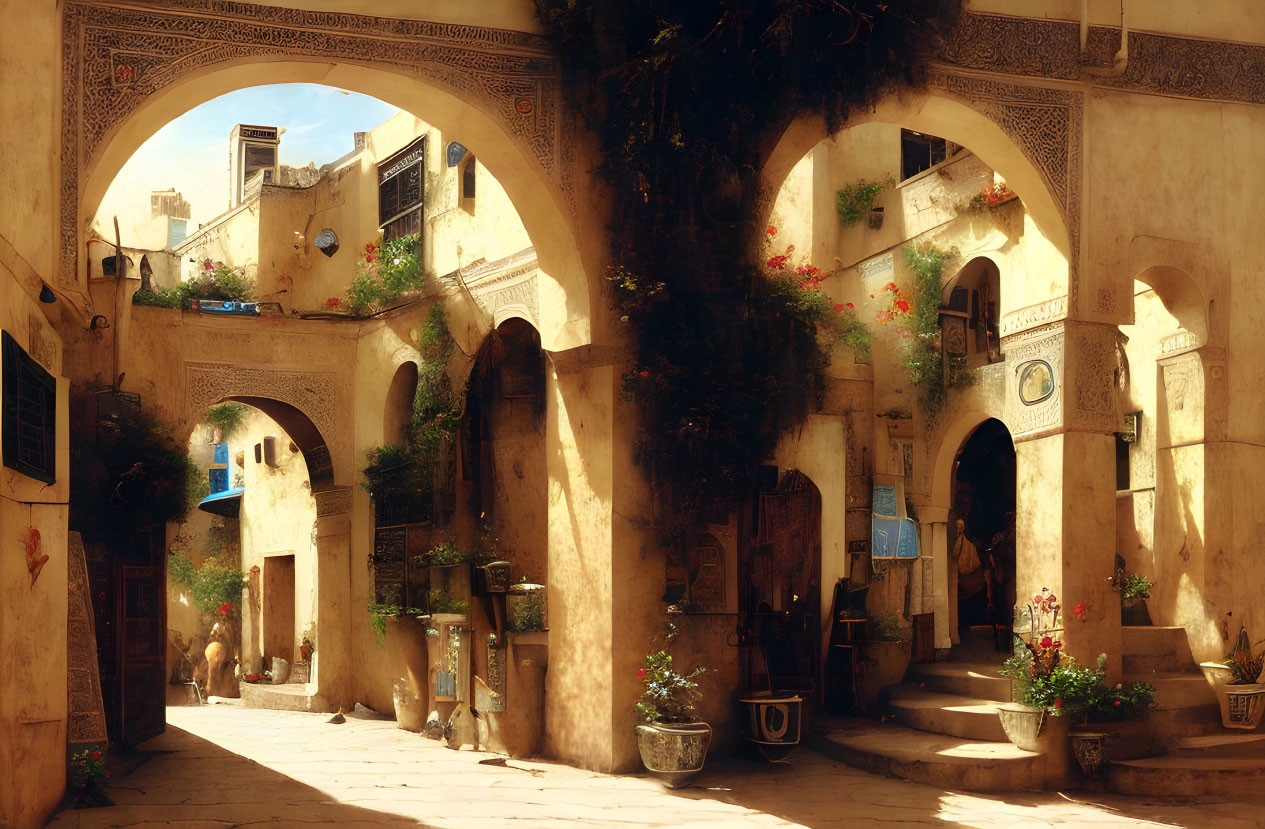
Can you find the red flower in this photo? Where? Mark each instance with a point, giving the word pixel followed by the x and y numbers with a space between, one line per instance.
pixel 849 306
pixel 890 286
pixel 1047 642
pixel 226 608
pixel 333 302
pixel 1079 609
pixel 1058 703
pixel 902 306
pixel 771 230
pixel 1117 702
pixel 778 261
pixel 644 373
pixel 641 673
pixel 96 755
pixel 369 257
pixel 838 309
pixel 370 247
pixel 871 296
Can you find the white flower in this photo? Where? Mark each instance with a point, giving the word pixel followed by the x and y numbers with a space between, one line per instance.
pixel 397 261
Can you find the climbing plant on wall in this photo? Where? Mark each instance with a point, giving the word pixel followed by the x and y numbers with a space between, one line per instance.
pixel 687 101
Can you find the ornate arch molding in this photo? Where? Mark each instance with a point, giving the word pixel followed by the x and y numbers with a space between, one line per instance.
pixel 1045 124
pixel 315 393
pixel 115 54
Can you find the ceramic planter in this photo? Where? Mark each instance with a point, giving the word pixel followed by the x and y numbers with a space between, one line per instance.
pixel 673 752
pixel 1218 677
pixel 1089 749
pixel 1032 729
pixel 774 724
pixel 1244 705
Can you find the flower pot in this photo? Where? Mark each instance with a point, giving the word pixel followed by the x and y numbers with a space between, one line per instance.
pixel 773 724
pixel 1089 750
pixel 673 752
pixel 1244 706
pixel 1133 612
pixel 1032 729
pixel 496 576
pixel 1219 677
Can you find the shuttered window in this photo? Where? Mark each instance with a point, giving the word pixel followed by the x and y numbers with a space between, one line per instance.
pixel 400 191
pixel 28 420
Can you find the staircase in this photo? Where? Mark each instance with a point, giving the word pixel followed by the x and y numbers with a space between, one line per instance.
pixel 1202 758
pixel 942 728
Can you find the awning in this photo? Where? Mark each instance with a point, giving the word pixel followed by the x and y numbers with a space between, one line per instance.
pixel 226 503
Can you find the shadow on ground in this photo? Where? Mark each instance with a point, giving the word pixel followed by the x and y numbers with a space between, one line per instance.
pixel 212 786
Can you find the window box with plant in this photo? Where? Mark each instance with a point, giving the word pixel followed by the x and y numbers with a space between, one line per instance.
pixel 673 744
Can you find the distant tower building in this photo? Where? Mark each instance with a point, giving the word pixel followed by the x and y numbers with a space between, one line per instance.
pixel 252 160
pixel 170 205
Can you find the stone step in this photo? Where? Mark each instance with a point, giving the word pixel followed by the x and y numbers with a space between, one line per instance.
pixel 1154 648
pixel 949 762
pixel 288 697
pixel 968 679
pixel 1177 689
pixel 950 714
pixel 1223 744
pixel 1240 778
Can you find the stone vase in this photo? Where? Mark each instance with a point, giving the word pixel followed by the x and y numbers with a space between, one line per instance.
pixel 673 752
pixel 774 723
pixel 1032 729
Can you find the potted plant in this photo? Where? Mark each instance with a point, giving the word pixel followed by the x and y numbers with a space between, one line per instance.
pixel 1033 659
pixel 1134 589
pixel 887 655
pixel 673 744
pixel 1236 682
pixel 88 779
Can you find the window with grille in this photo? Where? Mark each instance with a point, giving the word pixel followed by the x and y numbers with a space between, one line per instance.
pixel 28 422
pixel 919 152
pixel 400 191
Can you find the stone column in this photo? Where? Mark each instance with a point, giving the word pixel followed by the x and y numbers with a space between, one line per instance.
pixel 939 598
pixel 332 671
pixel 1062 409
pixel 605 580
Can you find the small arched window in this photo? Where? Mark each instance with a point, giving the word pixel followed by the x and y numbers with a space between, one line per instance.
pixel 467 182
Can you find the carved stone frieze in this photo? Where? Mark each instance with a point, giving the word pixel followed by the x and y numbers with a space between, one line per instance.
pixel 315 393
pixel 1177 343
pixel 1034 315
pixel 507 287
pixel 1034 381
pixel 1158 64
pixel 332 502
pixel 115 55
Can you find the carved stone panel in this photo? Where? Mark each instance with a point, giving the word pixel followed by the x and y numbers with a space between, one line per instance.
pixel 1034 381
pixel 114 55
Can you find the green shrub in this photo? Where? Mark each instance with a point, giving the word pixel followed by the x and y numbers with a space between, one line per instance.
pixel 226 417
pixel 218 284
pixel 1082 693
pixel 855 200
pixel 210 586
pixel 384 274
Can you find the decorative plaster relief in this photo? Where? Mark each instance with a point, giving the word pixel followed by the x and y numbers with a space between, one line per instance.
pixel 508 287
pixel 313 392
pixel 1045 124
pixel 43 351
pixel 1177 343
pixel 332 502
pixel 1101 379
pixel 116 55
pixel 1036 354
pixel 1034 315
pixel 1158 64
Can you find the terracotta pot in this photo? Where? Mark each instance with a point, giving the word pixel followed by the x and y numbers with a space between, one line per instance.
pixel 673 752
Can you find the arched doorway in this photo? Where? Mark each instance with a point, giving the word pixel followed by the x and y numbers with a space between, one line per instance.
pixel 982 533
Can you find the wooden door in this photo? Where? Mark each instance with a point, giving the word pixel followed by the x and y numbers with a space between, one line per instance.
pixel 143 626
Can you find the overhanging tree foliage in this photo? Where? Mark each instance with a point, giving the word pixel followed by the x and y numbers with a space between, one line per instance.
pixel 687 101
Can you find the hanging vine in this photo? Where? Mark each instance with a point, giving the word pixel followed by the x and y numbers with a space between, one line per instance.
pixel 687 101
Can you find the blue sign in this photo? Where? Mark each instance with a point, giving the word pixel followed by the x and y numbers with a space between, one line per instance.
pixel 885 501
pixel 456 152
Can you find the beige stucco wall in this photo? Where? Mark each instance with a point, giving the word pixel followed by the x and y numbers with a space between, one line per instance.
pixel 33 614
pixel 278 517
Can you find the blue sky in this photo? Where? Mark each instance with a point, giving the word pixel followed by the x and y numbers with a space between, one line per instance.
pixel 191 152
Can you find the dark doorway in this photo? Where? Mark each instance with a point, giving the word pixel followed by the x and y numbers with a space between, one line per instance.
pixel 982 529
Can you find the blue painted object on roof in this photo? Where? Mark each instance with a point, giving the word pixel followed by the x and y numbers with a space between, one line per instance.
pixel 240 309
pixel 227 503
pixel 218 479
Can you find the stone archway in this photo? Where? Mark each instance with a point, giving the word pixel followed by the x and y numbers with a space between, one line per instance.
pixel 127 71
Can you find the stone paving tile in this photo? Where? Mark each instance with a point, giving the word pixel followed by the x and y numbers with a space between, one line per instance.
pixel 226 766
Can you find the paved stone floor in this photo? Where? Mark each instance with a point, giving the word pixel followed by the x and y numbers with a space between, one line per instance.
pixel 222 766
